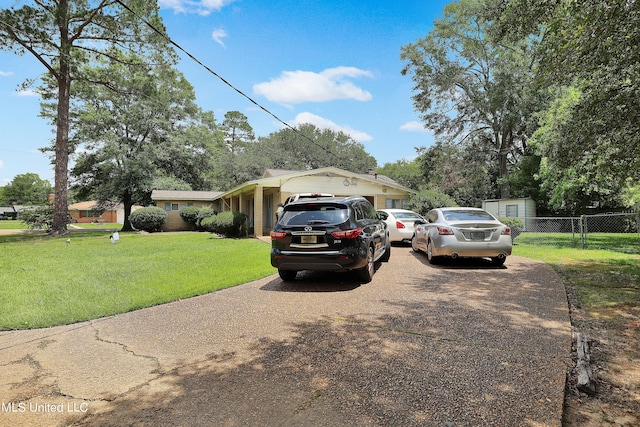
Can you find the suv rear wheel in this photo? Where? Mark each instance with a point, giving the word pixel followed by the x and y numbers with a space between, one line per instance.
pixel 366 274
pixel 287 275
pixel 387 251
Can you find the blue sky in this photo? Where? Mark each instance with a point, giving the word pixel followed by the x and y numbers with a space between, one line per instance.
pixel 333 63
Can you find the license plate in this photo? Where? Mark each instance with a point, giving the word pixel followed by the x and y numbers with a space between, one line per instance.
pixel 308 239
pixel 477 235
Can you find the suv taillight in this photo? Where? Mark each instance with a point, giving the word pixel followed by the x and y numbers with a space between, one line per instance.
pixel 347 234
pixel 278 234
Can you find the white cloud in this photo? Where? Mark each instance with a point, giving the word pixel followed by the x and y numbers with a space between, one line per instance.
pixel 293 87
pixel 28 92
pixel 218 35
pixel 6 73
pixel 323 123
pixel 200 7
pixel 414 127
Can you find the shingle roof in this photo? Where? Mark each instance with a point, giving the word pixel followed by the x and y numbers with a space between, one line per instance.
pixel 184 195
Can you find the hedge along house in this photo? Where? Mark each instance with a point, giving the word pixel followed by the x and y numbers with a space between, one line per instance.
pixel 259 199
pixel 172 201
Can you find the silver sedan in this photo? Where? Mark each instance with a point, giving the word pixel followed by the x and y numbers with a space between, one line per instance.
pixel 462 232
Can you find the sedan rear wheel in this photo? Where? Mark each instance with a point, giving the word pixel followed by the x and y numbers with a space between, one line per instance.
pixel 430 257
pixel 366 274
pixel 414 244
pixel 497 261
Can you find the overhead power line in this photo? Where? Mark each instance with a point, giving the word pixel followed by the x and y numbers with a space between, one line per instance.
pixel 197 61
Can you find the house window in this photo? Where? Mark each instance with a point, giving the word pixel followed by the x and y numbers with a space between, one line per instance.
pixel 89 214
pixel 512 211
pixel 172 206
pixel 395 203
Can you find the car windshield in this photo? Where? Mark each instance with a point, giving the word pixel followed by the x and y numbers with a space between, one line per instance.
pixel 470 215
pixel 314 214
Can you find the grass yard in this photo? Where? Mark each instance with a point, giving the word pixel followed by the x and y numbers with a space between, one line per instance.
pixel 603 278
pixel 94 226
pixel 47 282
pixel 603 288
pixel 619 242
pixel 11 224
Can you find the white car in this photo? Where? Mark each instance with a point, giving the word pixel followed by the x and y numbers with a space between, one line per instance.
pixel 462 232
pixel 400 223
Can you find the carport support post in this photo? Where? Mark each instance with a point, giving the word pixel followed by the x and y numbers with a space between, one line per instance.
pixel 258 210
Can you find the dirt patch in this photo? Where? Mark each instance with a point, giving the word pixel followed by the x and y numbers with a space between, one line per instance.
pixel 614 338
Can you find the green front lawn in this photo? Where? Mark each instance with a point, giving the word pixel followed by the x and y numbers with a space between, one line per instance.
pixel 47 281
pixel 101 225
pixel 11 224
pixel 602 278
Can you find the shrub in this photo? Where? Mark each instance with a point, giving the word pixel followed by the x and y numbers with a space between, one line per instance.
pixel 148 219
pixel 428 198
pixel 194 215
pixel 189 215
pixel 203 214
pixel 229 224
pixel 516 225
pixel 40 218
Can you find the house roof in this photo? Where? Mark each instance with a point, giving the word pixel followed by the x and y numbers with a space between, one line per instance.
pixel 275 178
pixel 92 204
pixel 83 206
pixel 277 172
pixel 185 195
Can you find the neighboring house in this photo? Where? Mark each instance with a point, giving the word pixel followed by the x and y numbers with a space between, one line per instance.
pixel 172 201
pixel 259 199
pixel 511 208
pixel 85 212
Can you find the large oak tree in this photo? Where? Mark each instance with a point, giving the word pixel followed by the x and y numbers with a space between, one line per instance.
pixel 468 88
pixel 141 127
pixel 63 35
pixel 590 60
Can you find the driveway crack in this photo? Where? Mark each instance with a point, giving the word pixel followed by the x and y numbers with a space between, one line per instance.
pixel 158 370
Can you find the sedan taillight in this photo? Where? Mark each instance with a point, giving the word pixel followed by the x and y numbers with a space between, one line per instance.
pixel 445 231
pixel 278 234
pixel 399 225
pixel 506 231
pixel 347 234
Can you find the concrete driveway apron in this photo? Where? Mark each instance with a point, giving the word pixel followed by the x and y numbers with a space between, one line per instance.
pixel 461 344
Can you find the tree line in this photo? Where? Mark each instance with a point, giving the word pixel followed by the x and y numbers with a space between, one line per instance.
pixel 531 99
pixel 525 100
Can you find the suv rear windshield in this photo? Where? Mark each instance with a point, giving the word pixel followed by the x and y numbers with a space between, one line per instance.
pixel 310 214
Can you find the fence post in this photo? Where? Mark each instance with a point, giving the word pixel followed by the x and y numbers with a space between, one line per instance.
pixel 583 231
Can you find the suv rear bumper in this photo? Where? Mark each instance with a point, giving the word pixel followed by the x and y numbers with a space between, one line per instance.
pixel 344 260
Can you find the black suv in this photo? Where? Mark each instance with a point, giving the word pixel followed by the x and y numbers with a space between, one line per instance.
pixel 329 234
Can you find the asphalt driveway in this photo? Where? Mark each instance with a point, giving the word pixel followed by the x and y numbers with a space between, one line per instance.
pixel 462 344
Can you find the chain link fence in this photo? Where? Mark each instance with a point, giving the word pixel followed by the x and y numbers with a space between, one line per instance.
pixel 619 232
